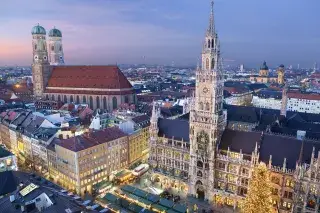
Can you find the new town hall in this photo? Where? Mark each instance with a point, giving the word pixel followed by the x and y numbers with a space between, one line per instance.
pixel 210 152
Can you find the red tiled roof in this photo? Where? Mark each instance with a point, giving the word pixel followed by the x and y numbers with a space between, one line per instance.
pixel 106 77
pixel 91 139
pixel 127 92
pixel 236 90
pixel 304 96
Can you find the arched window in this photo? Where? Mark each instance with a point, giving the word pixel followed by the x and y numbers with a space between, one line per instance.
pixel 84 99
pixel 199 174
pixel 213 63
pixel 207 64
pixel 71 99
pixel 91 102
pixel 104 103
pixel 200 106
pixel 52 48
pixel 78 99
pixel 114 103
pixel 98 102
pixel 60 49
pixel 209 43
pixel 52 97
pixel 47 97
pixel 212 43
pixel 126 99
pixel 59 98
pixel 199 164
pixel 207 106
pixel 35 47
pixel 65 99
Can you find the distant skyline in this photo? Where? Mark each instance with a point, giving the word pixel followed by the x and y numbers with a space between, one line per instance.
pixel 159 32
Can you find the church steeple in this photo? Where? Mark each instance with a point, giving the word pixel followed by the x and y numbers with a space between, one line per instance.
pixel 284 102
pixel 207 117
pixel 210 52
pixel 211 27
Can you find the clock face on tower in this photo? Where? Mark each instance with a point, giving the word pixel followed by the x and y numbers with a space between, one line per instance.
pixel 205 90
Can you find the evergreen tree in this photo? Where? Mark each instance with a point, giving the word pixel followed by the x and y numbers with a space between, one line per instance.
pixel 258 199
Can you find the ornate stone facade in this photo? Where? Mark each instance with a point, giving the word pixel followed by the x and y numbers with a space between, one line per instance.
pixel 210 160
pixel 56 56
pixel 41 70
pixel 207 119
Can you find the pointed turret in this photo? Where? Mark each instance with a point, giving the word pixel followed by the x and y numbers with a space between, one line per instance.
pixel 270 161
pixel 284 166
pixel 154 120
pixel 211 27
pixel 284 101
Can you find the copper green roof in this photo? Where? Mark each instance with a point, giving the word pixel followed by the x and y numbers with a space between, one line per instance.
pixel 38 30
pixel 55 33
pixel 264 66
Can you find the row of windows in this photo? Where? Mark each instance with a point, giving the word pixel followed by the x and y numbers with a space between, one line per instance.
pixel 84 100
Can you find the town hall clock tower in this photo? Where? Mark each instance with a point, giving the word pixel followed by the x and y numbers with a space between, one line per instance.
pixel 207 118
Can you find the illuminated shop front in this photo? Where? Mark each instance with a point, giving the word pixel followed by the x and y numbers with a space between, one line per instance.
pixel 165 182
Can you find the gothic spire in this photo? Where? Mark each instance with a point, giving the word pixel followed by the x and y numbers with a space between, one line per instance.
pixel 211 28
pixel 154 111
pixel 283 110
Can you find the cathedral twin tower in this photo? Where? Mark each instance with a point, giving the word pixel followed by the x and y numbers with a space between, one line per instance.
pixel 42 61
pixel 40 48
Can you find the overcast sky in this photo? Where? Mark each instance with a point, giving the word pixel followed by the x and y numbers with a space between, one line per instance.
pixel 162 31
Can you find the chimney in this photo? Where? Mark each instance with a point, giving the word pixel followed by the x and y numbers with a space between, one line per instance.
pixel 301 135
pixel 12 198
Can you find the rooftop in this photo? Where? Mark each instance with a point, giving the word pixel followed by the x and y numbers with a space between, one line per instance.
pixel 90 139
pixel 8 183
pixel 306 96
pixel 104 77
pixel 246 141
pixel 269 94
pixel 4 153
pixel 177 128
pixel 142 120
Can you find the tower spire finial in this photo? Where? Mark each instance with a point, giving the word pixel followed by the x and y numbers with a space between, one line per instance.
pixel 211 21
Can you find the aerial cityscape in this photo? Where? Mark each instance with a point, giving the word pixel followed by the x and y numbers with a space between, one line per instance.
pixel 164 131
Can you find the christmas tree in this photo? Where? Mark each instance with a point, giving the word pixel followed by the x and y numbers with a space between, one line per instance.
pixel 258 199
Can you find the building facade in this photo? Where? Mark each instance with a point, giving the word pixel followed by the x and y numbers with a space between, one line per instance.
pixel 265 77
pixel 8 161
pixel 103 87
pixel 238 96
pixel 81 162
pixel 288 100
pixel 267 99
pixel 139 140
pixel 303 102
